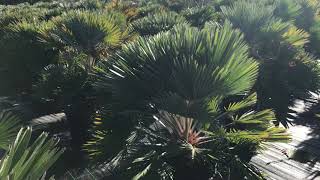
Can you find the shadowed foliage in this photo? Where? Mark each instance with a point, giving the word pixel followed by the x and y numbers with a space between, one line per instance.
pixel 278 45
pixel 155 23
pixel 190 74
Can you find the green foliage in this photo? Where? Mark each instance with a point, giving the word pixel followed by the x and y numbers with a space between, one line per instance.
pixel 66 87
pixel 9 127
pixel 198 16
pixel 82 39
pixel 287 9
pixel 296 37
pixel 248 17
pixel 176 148
pixel 14 14
pixel 315 37
pixel 279 46
pixel 155 23
pixel 184 58
pixel 23 56
pixel 309 10
pixel 129 9
pixel 180 5
pixel 192 98
pixel 92 33
pixel 272 134
pixel 188 73
pixel 150 9
pixel 29 161
pixel 11 2
pixel 60 83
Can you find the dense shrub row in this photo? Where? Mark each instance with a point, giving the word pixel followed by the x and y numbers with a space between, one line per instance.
pixel 161 89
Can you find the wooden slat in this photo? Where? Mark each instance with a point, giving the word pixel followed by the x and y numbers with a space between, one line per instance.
pixel 277 166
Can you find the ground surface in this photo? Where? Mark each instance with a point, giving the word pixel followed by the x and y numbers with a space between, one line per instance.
pixel 300 158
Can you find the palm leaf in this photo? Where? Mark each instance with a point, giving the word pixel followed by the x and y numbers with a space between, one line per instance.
pixel 272 134
pixel 185 63
pixel 296 37
pixel 155 23
pixel 287 10
pixel 247 102
pixel 9 126
pixel 199 16
pixel 249 16
pixel 95 34
pixel 261 117
pixel 142 173
pixel 29 161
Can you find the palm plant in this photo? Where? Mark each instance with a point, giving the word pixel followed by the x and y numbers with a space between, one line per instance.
pixel 309 9
pixel 155 23
pixel 128 8
pixel 83 38
pixel 287 10
pixel 279 46
pixel 13 14
pixel 198 16
pixel 185 125
pixel 178 50
pixel 177 147
pixel 150 8
pixel 66 87
pixel 180 5
pixel 91 33
pixel 23 56
pixel 25 161
pixel 248 16
pixel 304 14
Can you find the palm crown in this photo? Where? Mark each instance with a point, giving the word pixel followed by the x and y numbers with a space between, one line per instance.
pixel 190 65
pixel 279 46
pixel 95 34
pixel 182 78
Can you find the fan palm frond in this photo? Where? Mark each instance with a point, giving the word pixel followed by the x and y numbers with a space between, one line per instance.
pixel 22 55
pixel 308 13
pixel 29 161
pixel 91 28
pixel 187 71
pixel 9 127
pixel 176 139
pixel 184 75
pixel 257 120
pixel 149 9
pixel 198 16
pixel 185 63
pixel 19 14
pixel 248 16
pixel 92 33
pixel 272 134
pixel 276 42
pixel 155 23
pixel 182 128
pixel 25 29
pixel 247 102
pixel 296 37
pixel 287 10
